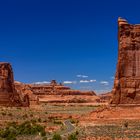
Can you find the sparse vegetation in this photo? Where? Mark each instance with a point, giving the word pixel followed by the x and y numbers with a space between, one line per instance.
pixel 126 124
pixel 45 115
pixel 73 136
pixel 25 116
pixel 58 122
pixel 45 138
pixel 26 128
pixel 3 113
pixel 56 137
pixel 114 131
pixel 39 120
pixel 10 114
pixel 74 121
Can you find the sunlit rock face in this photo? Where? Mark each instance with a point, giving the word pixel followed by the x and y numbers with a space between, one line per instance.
pixel 26 93
pixel 8 94
pixel 127 80
pixel 55 88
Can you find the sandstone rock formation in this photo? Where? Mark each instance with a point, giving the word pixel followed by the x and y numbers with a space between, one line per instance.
pixel 127 80
pixel 58 93
pixel 57 89
pixel 8 94
pixel 47 89
pixel 26 93
pixel 105 97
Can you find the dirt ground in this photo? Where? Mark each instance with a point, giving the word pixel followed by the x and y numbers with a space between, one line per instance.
pixel 92 122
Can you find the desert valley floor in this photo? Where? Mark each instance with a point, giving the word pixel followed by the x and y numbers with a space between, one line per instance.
pixel 85 122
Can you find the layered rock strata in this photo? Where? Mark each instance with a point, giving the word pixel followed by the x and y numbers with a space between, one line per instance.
pixel 57 89
pixel 26 93
pixel 127 80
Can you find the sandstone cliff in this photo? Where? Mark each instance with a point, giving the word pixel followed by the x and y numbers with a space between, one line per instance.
pixel 8 94
pixel 127 80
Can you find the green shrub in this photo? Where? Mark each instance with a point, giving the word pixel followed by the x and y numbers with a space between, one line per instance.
pixel 77 133
pixel 73 136
pixel 39 120
pixel 56 137
pixel 43 133
pixel 57 122
pixel 45 121
pixel 45 138
pixel 25 116
pixel 73 121
pixel 31 115
pixel 8 133
pixel 3 113
pixel 126 124
pixel 27 128
pixel 10 114
pixel 33 121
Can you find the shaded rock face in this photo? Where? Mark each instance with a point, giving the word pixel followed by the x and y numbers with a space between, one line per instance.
pixel 6 78
pixel 8 94
pixel 127 80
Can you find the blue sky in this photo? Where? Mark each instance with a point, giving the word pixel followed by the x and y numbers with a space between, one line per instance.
pixel 61 39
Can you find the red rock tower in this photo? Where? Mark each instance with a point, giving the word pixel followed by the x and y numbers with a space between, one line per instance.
pixel 127 80
pixel 8 95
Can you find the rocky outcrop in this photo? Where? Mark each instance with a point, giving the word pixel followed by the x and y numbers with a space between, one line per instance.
pixel 127 80
pixel 75 92
pixel 26 93
pixel 8 94
pixel 48 89
pixel 105 97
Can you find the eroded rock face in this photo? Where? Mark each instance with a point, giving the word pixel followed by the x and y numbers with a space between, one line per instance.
pixel 105 97
pixel 6 78
pixel 8 94
pixel 26 93
pixel 127 80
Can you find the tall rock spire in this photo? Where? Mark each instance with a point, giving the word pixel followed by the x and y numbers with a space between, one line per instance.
pixel 127 80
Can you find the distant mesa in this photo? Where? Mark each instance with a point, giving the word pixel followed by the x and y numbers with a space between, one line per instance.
pixel 58 93
pixel 57 89
pixel 127 80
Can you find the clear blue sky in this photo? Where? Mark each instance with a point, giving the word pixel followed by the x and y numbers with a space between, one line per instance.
pixel 55 39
